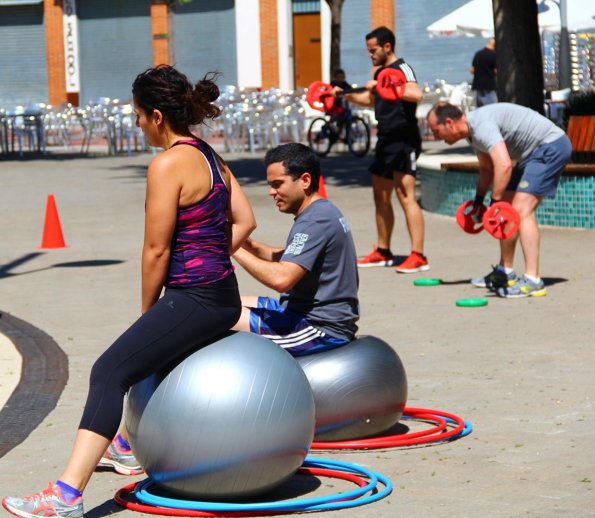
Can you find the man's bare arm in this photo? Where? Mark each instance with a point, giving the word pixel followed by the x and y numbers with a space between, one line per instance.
pixel 502 169
pixel 363 98
pixel 413 93
pixel 280 276
pixel 262 250
pixel 486 174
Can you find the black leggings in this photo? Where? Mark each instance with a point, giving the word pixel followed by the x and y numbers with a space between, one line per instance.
pixel 179 323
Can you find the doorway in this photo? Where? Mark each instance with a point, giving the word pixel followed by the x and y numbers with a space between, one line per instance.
pixel 307 48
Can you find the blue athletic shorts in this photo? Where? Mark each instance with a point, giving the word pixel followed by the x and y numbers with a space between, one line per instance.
pixel 540 173
pixel 289 330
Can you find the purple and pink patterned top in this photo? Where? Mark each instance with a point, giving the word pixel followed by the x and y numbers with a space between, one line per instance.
pixel 200 244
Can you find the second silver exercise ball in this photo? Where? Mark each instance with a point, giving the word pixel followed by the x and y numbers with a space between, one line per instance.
pixel 360 389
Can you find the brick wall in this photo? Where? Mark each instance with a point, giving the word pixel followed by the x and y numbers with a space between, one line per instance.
pixel 382 13
pixel 54 37
pixel 160 33
pixel 269 43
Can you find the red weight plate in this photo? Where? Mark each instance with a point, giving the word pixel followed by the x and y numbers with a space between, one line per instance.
pixel 464 216
pixel 317 96
pixel 501 220
pixel 390 84
pixel 328 101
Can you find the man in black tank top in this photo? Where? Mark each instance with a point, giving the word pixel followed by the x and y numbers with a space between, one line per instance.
pixel 397 149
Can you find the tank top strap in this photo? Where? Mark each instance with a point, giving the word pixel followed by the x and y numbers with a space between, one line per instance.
pixel 209 154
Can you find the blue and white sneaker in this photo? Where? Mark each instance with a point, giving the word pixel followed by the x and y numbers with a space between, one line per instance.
pixel 121 460
pixel 48 502
pixel 523 288
pixel 497 278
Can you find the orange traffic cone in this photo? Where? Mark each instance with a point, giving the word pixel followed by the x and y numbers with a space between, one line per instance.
pixel 322 188
pixel 52 231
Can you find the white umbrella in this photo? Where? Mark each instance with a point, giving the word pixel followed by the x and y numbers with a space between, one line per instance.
pixel 579 15
pixel 475 18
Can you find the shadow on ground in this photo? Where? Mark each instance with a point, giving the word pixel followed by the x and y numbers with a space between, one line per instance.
pixel 6 269
pixel 548 281
pixel 107 508
pixel 43 377
pixel 54 156
pixel 297 486
pixel 338 169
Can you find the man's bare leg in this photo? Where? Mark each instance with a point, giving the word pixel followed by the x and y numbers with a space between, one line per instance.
pixel 405 188
pixel 382 189
pixel 526 204
pixel 243 324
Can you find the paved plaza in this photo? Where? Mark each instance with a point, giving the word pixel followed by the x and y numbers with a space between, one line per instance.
pixel 520 371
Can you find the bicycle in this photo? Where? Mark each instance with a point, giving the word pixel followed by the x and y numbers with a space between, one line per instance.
pixel 341 126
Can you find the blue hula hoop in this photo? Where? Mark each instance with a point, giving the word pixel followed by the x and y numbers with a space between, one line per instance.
pixel 467 428
pixel 353 498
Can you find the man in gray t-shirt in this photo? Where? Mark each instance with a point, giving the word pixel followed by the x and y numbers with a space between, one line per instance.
pixel 316 271
pixel 521 157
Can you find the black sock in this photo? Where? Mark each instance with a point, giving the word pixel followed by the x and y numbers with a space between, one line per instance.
pixel 385 252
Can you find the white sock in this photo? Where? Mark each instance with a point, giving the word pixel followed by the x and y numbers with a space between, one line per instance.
pixel 533 279
pixel 505 269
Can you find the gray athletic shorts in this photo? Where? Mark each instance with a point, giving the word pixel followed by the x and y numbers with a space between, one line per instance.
pixel 540 173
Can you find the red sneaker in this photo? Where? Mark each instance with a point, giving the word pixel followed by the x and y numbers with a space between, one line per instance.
pixel 375 258
pixel 414 263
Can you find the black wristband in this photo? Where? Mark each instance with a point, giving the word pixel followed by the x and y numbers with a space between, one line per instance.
pixel 478 200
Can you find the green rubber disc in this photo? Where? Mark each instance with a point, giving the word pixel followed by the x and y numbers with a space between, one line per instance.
pixel 471 303
pixel 427 282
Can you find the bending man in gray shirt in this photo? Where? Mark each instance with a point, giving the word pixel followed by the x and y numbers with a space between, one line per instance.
pixel 521 157
pixel 316 271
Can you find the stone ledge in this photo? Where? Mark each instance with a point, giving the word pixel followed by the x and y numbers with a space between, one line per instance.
pixel 473 167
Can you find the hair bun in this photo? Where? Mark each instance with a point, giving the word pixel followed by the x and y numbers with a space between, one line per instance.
pixel 207 89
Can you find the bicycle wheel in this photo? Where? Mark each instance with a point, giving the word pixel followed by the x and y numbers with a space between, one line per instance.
pixel 358 136
pixel 320 136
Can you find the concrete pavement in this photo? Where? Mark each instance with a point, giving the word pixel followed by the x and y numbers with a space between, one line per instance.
pixel 521 371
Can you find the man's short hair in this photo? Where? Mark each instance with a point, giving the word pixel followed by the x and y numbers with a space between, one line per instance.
pixel 297 159
pixel 383 35
pixel 443 110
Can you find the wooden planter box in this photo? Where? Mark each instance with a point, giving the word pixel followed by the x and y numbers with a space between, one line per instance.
pixel 581 132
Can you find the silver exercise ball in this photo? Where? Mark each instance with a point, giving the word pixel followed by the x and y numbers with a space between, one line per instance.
pixel 360 389
pixel 232 420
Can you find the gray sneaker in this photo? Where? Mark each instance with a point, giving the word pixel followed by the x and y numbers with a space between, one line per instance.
pixel 123 461
pixel 495 279
pixel 523 288
pixel 45 503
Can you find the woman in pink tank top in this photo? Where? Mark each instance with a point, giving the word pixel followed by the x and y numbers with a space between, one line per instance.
pixel 196 217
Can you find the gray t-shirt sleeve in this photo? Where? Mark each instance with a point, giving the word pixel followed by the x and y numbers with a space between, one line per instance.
pixel 522 130
pixel 321 242
pixel 305 243
pixel 486 134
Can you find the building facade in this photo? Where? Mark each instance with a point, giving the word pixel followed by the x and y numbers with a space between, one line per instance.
pixel 57 51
